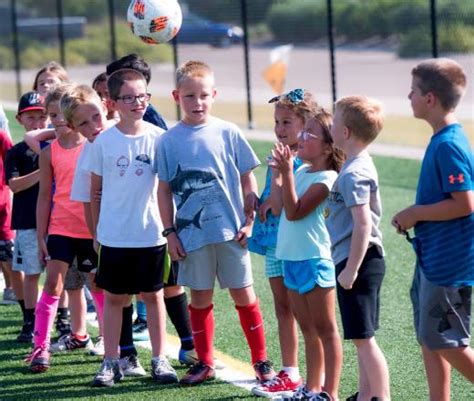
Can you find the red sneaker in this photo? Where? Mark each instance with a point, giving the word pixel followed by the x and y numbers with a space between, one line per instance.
pixel 281 385
pixel 198 374
pixel 263 371
pixel 39 360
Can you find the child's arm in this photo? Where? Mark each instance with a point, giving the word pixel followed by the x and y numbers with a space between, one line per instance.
pixel 34 138
pixel 276 199
pixel 460 204
pixel 249 186
pixel 18 184
pixel 43 205
pixel 296 209
pixel 88 217
pixel 165 205
pixel 96 185
pixel 359 245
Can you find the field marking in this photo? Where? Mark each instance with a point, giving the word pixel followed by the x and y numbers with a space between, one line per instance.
pixel 235 372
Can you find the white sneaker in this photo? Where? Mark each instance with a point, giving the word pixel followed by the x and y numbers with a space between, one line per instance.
pixel 131 366
pixel 69 343
pixel 98 348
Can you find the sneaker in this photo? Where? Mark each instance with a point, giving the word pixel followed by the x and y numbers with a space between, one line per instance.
pixel 198 374
pixel 353 397
pixel 140 330
pixel 98 348
pixel 9 295
pixel 26 334
pixel 281 385
pixel 131 366
pixel 263 371
pixel 63 327
pixel 108 374
pixel 323 396
pixel 70 343
pixel 39 359
pixel 162 372
pixel 188 357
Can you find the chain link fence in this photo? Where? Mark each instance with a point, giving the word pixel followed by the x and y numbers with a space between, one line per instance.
pixel 332 48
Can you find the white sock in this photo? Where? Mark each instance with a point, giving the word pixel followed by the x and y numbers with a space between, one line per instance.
pixel 292 372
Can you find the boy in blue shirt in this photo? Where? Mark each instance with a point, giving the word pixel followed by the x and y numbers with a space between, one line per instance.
pixel 443 220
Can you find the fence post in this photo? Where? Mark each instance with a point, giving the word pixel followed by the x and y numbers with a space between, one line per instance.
pixel 332 54
pixel 59 13
pixel 113 41
pixel 434 29
pixel 16 48
pixel 243 5
pixel 174 42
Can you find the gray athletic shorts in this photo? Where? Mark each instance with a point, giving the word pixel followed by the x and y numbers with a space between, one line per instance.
pixel 75 280
pixel 25 254
pixel 442 315
pixel 227 261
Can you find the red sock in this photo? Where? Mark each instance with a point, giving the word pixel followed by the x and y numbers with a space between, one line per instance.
pixel 202 324
pixel 251 321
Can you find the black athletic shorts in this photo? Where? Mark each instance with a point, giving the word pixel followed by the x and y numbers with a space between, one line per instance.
pixel 131 270
pixel 360 305
pixel 66 249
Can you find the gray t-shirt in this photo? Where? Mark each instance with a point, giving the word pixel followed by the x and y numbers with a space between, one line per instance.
pixel 357 184
pixel 203 165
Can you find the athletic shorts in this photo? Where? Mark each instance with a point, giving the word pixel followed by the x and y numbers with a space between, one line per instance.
pixel 226 261
pixel 442 315
pixel 75 279
pixel 304 275
pixel 171 270
pixel 273 265
pixel 25 254
pixel 360 305
pixel 6 251
pixel 131 270
pixel 66 249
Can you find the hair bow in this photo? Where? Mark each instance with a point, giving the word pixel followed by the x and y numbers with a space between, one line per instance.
pixel 295 96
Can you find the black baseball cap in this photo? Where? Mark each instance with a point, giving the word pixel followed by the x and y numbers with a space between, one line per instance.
pixel 31 101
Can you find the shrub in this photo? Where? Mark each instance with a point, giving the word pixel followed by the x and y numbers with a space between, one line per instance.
pixel 457 38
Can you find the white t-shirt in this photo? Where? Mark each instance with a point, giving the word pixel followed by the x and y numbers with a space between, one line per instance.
pixel 129 215
pixel 81 184
pixel 306 238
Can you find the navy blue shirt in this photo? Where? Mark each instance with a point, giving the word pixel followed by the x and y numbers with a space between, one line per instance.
pixel 153 117
pixel 446 248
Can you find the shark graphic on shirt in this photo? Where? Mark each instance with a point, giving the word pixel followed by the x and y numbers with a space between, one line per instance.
pixel 185 223
pixel 187 182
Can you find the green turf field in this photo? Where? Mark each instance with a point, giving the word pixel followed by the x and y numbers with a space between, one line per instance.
pixel 70 375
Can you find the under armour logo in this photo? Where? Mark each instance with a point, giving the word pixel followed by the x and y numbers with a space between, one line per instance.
pixel 459 178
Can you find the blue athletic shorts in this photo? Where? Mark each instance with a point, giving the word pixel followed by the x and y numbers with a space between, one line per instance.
pixel 303 275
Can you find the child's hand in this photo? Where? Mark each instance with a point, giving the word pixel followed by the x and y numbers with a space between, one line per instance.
pixel 405 219
pixel 263 210
pixel 43 252
pixel 282 158
pixel 347 278
pixel 175 247
pixel 98 195
pixel 251 204
pixel 243 234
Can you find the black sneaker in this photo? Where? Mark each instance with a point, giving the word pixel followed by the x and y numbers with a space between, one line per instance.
pixel 26 334
pixel 263 371
pixel 353 397
pixel 108 374
pixel 63 326
pixel 140 330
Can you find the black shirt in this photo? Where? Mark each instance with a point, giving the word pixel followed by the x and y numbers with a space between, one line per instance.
pixel 20 161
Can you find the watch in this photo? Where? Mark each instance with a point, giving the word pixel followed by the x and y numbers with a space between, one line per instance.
pixel 168 231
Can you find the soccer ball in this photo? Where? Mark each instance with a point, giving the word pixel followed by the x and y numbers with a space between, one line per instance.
pixel 154 21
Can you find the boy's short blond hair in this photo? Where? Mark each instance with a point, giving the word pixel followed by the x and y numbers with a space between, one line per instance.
pixel 56 94
pixel 193 69
pixel 444 78
pixel 363 116
pixel 76 96
pixel 117 79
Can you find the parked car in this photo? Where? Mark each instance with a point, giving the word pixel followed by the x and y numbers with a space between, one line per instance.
pixel 197 29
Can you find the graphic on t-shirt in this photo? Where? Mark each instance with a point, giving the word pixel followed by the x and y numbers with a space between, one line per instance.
pixel 185 223
pixel 141 161
pixel 187 182
pixel 122 164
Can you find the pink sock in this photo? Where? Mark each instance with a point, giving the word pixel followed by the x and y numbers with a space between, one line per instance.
pixel 99 305
pixel 45 313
